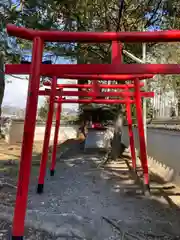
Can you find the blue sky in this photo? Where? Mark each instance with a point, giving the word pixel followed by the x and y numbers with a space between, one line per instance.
pixel 15 1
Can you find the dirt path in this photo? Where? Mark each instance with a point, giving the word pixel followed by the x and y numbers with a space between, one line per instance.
pixel 84 202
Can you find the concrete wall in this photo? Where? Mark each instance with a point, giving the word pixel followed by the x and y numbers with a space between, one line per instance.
pixel 14 135
pixel 163 147
pixel 65 132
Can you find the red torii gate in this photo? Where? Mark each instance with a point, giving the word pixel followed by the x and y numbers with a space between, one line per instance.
pixel 36 69
pixel 58 92
pixel 116 54
pixel 92 94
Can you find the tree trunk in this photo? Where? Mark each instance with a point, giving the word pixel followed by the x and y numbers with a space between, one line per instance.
pixel 2 86
pixel 116 141
pixel 178 103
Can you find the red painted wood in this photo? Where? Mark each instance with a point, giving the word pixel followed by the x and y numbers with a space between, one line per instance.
pixel 54 36
pixel 28 138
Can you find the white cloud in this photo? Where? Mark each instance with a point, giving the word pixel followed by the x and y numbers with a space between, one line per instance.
pixel 16 92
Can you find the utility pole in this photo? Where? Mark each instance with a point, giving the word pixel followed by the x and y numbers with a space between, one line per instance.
pixel 141 61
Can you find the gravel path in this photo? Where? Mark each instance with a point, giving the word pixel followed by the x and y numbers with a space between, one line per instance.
pixel 84 202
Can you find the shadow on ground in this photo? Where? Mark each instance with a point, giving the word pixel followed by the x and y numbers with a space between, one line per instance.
pixel 116 197
pixel 84 201
pixel 10 155
pixel 9 166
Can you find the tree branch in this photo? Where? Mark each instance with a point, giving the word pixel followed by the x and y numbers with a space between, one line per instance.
pixel 121 5
pixel 153 15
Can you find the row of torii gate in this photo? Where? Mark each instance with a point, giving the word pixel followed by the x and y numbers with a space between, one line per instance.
pixel 114 71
